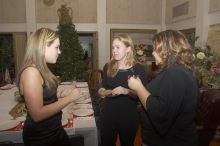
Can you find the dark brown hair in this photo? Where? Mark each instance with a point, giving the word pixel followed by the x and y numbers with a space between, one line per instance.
pixel 174 48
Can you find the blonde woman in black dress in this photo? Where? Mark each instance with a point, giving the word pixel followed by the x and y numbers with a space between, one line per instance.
pixel 38 86
pixel 119 114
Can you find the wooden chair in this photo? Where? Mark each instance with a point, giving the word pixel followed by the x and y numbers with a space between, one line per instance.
pixel 208 115
pixel 95 78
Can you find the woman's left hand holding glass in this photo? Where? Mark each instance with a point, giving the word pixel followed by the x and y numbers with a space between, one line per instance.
pixel 120 90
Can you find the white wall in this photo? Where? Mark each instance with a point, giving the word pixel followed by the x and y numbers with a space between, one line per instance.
pixel 202 19
pixel 101 27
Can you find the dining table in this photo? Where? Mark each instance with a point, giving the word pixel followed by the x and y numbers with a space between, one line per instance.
pixel 77 118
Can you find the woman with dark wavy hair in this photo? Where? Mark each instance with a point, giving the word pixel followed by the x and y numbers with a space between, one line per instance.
pixel 169 101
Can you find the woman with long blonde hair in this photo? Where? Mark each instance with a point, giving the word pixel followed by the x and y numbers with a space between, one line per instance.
pixel 119 114
pixel 38 86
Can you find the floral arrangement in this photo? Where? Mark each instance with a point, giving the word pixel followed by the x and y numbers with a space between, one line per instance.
pixel 207 67
pixel 143 51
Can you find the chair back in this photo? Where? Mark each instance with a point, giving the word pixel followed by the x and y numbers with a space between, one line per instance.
pixel 208 115
pixel 95 78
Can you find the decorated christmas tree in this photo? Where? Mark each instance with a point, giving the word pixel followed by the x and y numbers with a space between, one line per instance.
pixel 70 64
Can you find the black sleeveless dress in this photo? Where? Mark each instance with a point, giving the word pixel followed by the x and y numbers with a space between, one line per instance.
pixel 48 132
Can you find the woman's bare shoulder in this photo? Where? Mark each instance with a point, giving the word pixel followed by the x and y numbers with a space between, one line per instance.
pixel 31 74
pixel 29 71
pixel 30 79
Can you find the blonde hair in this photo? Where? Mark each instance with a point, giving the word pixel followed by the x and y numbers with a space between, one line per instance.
pixel 130 56
pixel 174 48
pixel 35 54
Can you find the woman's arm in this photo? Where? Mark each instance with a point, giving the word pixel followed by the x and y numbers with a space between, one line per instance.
pixel 31 87
pixel 141 73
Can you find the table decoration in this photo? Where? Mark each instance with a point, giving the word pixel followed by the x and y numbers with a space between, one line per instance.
pixel 18 110
pixel 18 97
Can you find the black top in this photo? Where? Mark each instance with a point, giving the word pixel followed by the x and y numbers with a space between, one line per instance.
pixel 169 117
pixel 121 79
pixel 48 127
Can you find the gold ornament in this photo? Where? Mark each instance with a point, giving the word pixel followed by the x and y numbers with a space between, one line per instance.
pixel 65 15
pixel 48 2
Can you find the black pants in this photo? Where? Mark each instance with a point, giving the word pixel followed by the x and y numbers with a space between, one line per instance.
pixel 117 122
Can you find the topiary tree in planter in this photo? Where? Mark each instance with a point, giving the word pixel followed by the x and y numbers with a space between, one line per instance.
pixel 70 64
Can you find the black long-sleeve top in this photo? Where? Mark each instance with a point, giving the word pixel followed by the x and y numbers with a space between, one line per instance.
pixel 121 79
pixel 168 119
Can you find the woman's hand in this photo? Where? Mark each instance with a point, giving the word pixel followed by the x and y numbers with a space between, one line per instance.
pixel 134 83
pixel 74 95
pixel 64 90
pixel 120 90
pixel 101 92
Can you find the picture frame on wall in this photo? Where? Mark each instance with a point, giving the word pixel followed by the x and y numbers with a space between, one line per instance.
pixel 142 39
